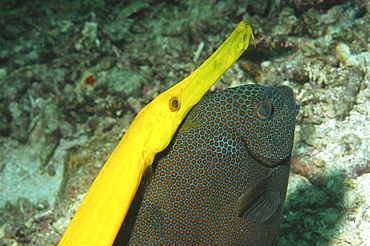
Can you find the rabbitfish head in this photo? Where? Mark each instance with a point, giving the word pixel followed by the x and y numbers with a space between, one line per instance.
pixel 269 117
pixel 223 179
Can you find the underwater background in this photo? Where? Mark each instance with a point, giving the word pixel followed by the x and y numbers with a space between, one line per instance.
pixel 73 75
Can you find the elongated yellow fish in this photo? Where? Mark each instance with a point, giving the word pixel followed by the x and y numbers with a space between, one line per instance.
pixel 105 205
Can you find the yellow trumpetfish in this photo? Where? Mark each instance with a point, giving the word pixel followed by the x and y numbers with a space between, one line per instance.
pixel 101 213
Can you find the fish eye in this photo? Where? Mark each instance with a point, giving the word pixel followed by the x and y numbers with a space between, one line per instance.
pixel 263 109
pixel 174 104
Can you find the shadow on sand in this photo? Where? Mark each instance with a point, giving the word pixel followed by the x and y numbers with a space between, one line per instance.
pixel 312 213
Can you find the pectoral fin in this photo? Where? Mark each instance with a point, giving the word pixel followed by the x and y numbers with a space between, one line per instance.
pixel 260 201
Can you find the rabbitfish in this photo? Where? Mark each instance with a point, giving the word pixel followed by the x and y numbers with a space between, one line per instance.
pixel 224 178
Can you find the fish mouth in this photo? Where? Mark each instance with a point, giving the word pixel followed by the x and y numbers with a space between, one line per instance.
pixel 297 107
pixel 267 162
pixel 264 161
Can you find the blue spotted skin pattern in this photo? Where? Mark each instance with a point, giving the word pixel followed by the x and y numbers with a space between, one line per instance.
pixel 224 180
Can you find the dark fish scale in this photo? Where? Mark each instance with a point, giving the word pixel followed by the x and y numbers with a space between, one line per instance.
pixel 224 179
